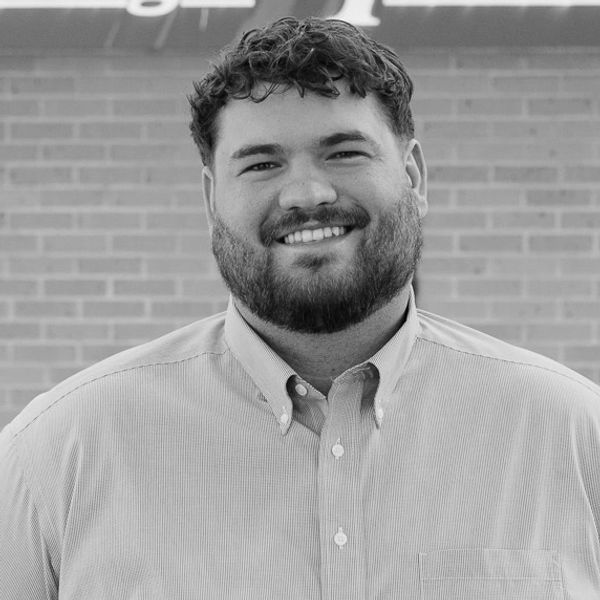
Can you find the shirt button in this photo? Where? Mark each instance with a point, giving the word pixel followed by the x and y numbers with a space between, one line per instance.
pixel 338 450
pixel 284 418
pixel 379 413
pixel 301 390
pixel 340 538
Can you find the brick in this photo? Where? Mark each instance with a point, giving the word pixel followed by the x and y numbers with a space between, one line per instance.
pixel 581 220
pixel 144 287
pixel 72 152
pixel 41 265
pixel 462 174
pixel 437 107
pixel 19 108
pixel 53 353
pixel 19 331
pixel 455 130
pixel 582 83
pixel 580 265
pixel 490 287
pixel 80 107
pixel 39 175
pixel 504 331
pixel 41 130
pixel 17 287
pixel 74 287
pixel 144 107
pixel 455 265
pixel 113 309
pixel 540 152
pixel 491 243
pixel 490 106
pixel 452 83
pixel 176 175
pixel 558 288
pixel 39 220
pixel 583 174
pixel 15 152
pixel 109 175
pixel 537 130
pixel 554 197
pixel 560 106
pixel 180 309
pixel 176 220
pixel 45 308
pixel 529 83
pixel 111 265
pixel 524 265
pixel 196 265
pixel 77 331
pixel 523 220
pixel 551 331
pixel 525 174
pixel 439 243
pixel 74 243
pixel 211 288
pixel 440 219
pixel 41 85
pixel 523 309
pixel 560 243
pixel 94 353
pixel 564 58
pixel 138 332
pixel 20 375
pixel 169 130
pixel 584 310
pixel 154 151
pixel 18 243
pixel 19 64
pixel 486 198
pixel 109 221
pixel 480 59
pixel 586 354
pixel 144 243
pixel 456 309
pixel 110 130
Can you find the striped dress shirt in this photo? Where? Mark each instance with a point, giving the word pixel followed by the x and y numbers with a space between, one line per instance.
pixel 448 466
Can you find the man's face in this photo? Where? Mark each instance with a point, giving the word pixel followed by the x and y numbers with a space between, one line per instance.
pixel 315 221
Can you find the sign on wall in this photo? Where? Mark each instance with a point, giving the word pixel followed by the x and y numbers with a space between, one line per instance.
pixel 204 25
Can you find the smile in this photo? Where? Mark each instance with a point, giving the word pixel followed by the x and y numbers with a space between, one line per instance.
pixel 314 235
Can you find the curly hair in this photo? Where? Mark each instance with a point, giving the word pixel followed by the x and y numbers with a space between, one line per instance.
pixel 309 54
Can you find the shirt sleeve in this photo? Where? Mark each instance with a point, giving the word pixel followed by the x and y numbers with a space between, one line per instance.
pixel 26 572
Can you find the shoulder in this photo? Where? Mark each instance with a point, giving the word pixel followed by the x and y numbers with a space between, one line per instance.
pixel 195 343
pixel 503 364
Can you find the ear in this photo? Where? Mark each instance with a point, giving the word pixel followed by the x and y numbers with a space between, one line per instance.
pixel 416 169
pixel 208 191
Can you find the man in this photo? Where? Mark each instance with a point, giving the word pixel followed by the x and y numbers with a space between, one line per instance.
pixel 322 438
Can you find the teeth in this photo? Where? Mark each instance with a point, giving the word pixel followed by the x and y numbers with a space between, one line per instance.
pixel 313 235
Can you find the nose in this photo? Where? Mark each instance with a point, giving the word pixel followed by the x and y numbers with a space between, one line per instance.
pixel 306 190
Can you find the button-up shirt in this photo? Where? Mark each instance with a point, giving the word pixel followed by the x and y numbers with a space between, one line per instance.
pixel 449 465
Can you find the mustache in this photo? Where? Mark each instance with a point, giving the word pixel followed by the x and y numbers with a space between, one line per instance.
pixel 328 216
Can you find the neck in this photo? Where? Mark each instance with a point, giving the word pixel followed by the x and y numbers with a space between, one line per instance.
pixel 320 358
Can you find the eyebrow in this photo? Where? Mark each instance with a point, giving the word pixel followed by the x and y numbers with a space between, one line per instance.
pixel 324 142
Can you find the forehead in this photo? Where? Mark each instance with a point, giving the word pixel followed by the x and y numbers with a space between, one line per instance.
pixel 292 120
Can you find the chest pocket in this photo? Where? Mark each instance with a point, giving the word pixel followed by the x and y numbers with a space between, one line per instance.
pixel 490 574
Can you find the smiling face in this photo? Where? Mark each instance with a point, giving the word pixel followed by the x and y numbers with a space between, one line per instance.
pixel 315 208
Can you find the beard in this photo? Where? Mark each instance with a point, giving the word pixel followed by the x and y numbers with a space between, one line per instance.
pixel 317 300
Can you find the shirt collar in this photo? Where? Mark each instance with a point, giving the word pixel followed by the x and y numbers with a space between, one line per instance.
pixel 266 368
pixel 271 373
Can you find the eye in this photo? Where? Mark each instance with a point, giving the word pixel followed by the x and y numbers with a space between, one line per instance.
pixel 348 154
pixel 262 166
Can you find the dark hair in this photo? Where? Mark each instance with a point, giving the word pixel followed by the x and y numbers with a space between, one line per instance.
pixel 308 54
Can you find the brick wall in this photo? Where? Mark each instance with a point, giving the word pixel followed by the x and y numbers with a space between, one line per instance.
pixel 104 244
